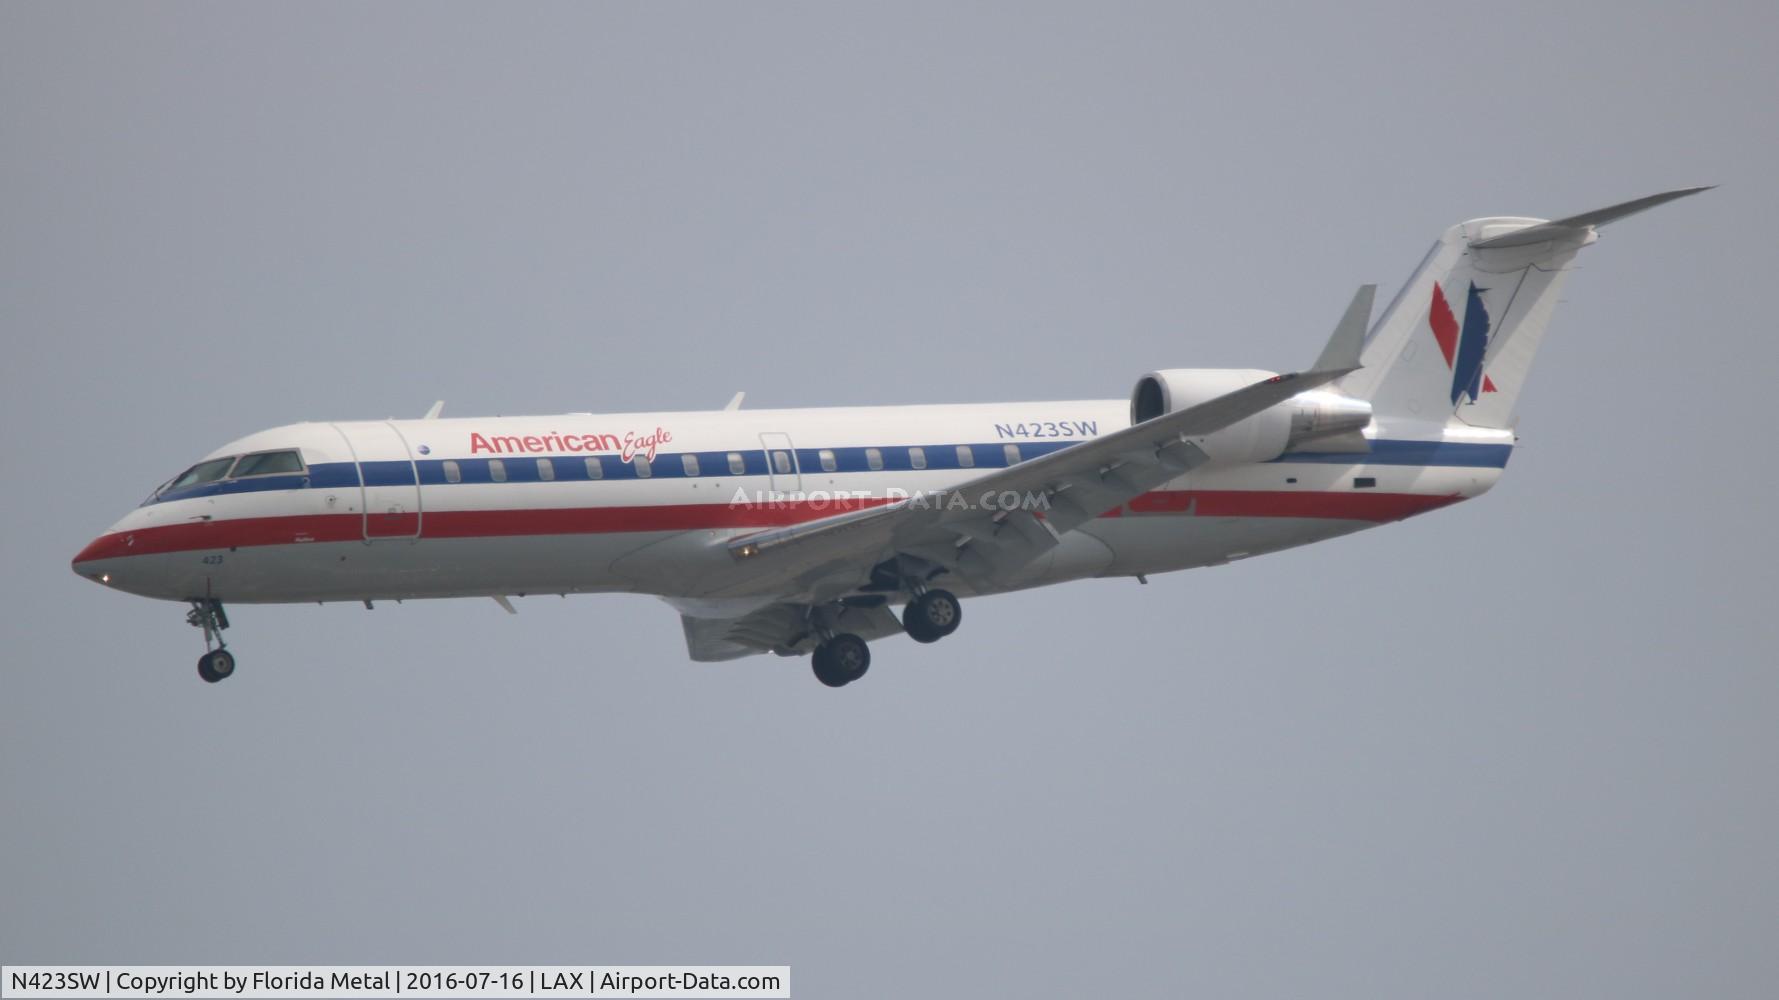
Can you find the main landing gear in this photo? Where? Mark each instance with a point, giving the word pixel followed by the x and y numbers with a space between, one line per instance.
pixel 932 615
pixel 217 662
pixel 841 659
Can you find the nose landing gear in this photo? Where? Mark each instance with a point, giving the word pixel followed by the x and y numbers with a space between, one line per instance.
pixel 217 662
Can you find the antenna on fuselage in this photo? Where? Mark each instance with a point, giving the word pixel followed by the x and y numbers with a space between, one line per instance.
pixel 437 408
pixel 735 404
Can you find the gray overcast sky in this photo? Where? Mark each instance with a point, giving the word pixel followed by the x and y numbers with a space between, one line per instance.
pixel 1524 747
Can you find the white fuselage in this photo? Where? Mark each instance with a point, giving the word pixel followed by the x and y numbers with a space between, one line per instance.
pixel 644 502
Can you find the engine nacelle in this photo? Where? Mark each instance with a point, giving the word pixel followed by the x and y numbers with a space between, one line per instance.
pixel 1327 420
pixel 1320 415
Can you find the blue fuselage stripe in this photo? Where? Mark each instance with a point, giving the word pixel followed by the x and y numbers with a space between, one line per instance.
pixel 810 462
pixel 1444 453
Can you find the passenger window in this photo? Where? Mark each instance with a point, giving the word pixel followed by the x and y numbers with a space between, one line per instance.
pixel 689 462
pixel 269 463
pixel 736 465
pixel 497 470
pixel 827 457
pixel 781 461
pixel 917 458
pixel 642 467
pixel 546 470
pixel 1011 453
pixel 203 472
pixel 453 474
pixel 873 459
pixel 594 469
pixel 965 457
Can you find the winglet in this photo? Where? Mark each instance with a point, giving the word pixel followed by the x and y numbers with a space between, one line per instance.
pixel 735 403
pixel 437 408
pixel 1342 352
pixel 1577 225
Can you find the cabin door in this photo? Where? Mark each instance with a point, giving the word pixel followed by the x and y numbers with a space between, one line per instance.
pixel 388 480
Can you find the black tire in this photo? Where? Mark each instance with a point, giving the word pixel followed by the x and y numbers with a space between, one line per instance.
pixel 932 616
pixel 216 665
pixel 825 669
pixel 915 625
pixel 849 655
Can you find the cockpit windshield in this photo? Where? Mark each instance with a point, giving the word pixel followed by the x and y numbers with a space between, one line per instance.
pixel 203 472
pixel 268 463
pixel 260 463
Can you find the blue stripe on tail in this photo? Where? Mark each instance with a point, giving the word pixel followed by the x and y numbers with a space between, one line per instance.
pixel 1473 343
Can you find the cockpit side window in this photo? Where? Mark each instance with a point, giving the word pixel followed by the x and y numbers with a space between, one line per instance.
pixel 203 472
pixel 269 463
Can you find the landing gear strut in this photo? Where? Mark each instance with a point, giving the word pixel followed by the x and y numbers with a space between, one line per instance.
pixel 217 662
pixel 932 615
pixel 841 659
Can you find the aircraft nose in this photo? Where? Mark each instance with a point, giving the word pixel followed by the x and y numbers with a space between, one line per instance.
pixel 93 561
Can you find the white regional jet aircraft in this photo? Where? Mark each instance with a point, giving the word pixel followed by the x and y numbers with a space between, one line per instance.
pixel 797 531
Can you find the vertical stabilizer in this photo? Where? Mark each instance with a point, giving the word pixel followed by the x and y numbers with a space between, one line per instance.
pixel 1459 339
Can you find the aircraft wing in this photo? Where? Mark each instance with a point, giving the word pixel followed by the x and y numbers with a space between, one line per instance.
pixel 978 540
pixel 827 558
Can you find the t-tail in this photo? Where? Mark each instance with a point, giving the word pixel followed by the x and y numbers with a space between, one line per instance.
pixel 1459 339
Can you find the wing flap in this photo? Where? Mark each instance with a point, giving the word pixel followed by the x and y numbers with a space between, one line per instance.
pixel 782 628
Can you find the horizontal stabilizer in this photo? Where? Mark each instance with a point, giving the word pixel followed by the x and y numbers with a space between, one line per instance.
pixel 1577 225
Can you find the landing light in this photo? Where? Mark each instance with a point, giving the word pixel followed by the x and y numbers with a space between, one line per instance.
pixel 104 577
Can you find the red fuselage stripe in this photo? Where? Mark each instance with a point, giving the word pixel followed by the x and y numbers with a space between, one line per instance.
pixel 308 528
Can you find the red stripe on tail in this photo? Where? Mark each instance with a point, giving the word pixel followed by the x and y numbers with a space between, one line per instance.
pixel 1445 325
